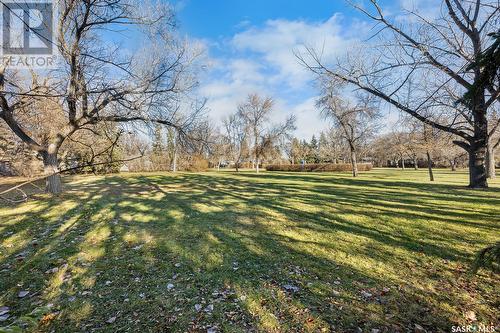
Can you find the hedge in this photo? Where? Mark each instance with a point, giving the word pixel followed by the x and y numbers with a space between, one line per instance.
pixel 320 167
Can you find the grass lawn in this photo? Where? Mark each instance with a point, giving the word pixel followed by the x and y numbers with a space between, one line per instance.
pixel 245 252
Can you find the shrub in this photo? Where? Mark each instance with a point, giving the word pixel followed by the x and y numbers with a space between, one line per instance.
pixel 320 167
pixel 197 163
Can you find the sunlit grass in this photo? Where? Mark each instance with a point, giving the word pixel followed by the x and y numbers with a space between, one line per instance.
pixel 275 252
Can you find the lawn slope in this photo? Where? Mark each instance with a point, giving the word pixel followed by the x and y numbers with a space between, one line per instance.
pixel 239 252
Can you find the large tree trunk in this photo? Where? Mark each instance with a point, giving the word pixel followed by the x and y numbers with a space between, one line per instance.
pixel 403 163
pixel 429 165
pixel 257 165
pixel 478 145
pixel 477 168
pixel 354 163
pixel 53 183
pixel 490 162
pixel 415 162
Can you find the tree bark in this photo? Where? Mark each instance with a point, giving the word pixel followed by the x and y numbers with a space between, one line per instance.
pixel 403 163
pixel 257 165
pixel 429 166
pixel 478 145
pixel 354 163
pixel 415 162
pixel 477 168
pixel 53 183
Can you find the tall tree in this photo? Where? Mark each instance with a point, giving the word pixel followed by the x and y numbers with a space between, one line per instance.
pixel 355 119
pixel 424 67
pixel 256 111
pixel 314 149
pixel 97 83
pixel 236 136
pixel 493 144
pixel 323 148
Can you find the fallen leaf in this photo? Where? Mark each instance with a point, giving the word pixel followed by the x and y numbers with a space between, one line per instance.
pixel 47 318
pixel 470 315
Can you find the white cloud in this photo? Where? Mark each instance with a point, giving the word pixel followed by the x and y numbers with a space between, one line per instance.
pixel 276 42
pixel 262 60
pixel 229 84
pixel 308 120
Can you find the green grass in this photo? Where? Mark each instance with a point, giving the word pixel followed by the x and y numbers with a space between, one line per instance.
pixel 387 250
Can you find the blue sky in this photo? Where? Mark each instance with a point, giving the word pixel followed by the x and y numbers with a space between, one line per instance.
pixel 223 18
pixel 249 48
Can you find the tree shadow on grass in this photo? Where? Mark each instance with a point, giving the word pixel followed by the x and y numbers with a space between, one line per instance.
pixel 235 243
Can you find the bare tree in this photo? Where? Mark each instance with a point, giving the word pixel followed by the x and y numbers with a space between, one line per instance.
pixel 256 112
pixel 218 149
pixel 493 144
pixel 236 137
pixel 267 144
pixel 425 66
pixel 97 83
pixel 413 139
pixel 453 154
pixel 336 146
pixel 355 119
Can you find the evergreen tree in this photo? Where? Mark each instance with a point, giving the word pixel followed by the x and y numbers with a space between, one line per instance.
pixel 323 148
pixel 313 150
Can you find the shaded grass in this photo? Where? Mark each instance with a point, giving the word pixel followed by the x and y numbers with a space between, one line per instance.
pixel 387 250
